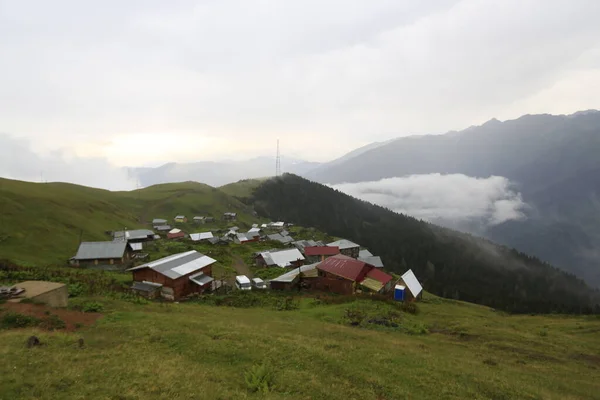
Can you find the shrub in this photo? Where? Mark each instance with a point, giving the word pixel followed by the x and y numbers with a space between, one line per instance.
pixel 409 307
pixel 92 306
pixel 15 320
pixel 354 316
pixel 53 322
pixel 260 378
pixel 286 304
pixel 418 329
pixel 76 289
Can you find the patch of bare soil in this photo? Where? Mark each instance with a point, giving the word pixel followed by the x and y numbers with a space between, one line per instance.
pixel 240 267
pixel 72 319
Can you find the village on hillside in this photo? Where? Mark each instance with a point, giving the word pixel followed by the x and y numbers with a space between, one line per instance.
pixel 280 261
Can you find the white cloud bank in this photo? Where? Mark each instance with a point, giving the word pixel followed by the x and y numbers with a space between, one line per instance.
pixel 19 161
pixel 455 200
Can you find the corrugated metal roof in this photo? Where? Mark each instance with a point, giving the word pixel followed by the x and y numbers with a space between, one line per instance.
pixel 263 226
pixel 282 258
pixel 287 239
pixel 252 234
pixel 344 267
pixel 321 251
pixel 372 260
pixel 372 284
pixel 255 225
pixel 135 234
pixel 175 230
pixel 278 224
pixel 379 275
pixel 180 217
pixel 241 237
pixel 412 283
pixel 284 233
pixel 201 279
pixel 159 221
pixel 163 228
pixel 100 250
pixel 253 230
pixel 198 218
pixel 201 236
pixel 291 275
pixel 364 253
pixel 177 265
pixel 343 244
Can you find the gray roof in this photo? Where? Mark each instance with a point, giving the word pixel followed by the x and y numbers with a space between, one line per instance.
pixel 159 221
pixel 280 238
pixel 372 260
pixel 301 244
pixel 163 228
pixel 364 253
pixel 100 250
pixel 201 279
pixel 290 276
pixel 284 233
pixel 178 265
pixel 134 234
pixel 214 239
pixel 136 246
pixel 343 244
pixel 146 286
pixel 282 258
pixel 252 234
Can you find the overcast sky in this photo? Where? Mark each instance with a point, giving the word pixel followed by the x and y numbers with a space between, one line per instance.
pixel 149 81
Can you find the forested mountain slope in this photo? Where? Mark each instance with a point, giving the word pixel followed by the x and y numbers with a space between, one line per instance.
pixel 449 263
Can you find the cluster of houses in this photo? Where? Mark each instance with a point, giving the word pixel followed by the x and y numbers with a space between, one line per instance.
pixel 340 267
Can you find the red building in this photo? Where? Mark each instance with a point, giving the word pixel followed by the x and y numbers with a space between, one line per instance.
pixel 345 275
pixel 177 275
pixel 175 234
pixel 320 253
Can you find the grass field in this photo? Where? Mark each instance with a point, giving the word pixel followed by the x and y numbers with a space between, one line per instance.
pixel 450 350
pixel 43 223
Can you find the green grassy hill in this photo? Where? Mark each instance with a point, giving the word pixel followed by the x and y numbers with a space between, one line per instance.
pixel 450 350
pixel 43 223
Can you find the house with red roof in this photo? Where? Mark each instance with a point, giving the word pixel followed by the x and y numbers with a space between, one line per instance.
pixel 315 254
pixel 345 275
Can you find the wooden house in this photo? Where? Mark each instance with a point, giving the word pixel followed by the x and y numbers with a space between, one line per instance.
pixel 175 234
pixel 180 219
pixel 178 275
pixel 344 275
pixel 303 276
pixel 315 254
pixel 281 258
pixel 346 247
pixel 229 216
pixel 101 253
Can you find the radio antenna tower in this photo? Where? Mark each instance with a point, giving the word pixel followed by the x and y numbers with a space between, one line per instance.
pixel 278 161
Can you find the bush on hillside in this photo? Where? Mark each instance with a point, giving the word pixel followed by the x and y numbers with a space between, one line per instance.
pixel 12 320
pixel 260 378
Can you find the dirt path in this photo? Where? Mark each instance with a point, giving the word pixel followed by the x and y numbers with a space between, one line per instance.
pixel 72 319
pixel 241 267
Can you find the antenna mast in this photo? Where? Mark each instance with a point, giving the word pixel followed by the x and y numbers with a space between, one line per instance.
pixel 278 161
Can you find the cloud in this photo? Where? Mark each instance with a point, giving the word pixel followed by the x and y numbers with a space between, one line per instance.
pixel 342 73
pixel 456 200
pixel 19 161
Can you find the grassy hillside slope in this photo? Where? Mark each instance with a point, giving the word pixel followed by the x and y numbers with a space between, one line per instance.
pixel 451 350
pixel 41 223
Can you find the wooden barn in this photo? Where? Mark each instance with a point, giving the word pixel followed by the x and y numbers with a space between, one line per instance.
pixel 101 253
pixel 178 275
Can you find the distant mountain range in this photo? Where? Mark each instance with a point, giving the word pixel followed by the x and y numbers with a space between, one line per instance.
pixel 554 162
pixel 218 173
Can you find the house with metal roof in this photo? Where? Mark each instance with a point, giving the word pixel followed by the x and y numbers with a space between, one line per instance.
pixel 346 247
pixel 345 275
pixel 163 228
pixel 198 219
pixel 180 218
pixel 368 257
pixel 179 274
pixel 158 221
pixel 230 216
pixel 175 234
pixel 241 238
pixel 280 238
pixel 101 253
pixel 293 278
pixel 281 258
pixel 196 237
pixel 136 235
pixel 410 281
pixel 320 253
pixel 301 244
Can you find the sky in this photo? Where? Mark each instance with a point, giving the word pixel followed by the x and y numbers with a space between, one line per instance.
pixel 143 82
